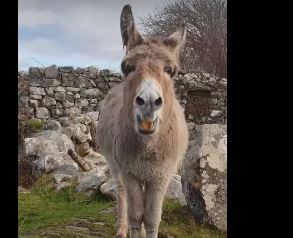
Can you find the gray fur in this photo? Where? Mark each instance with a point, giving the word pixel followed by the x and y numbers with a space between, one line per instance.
pixel 141 165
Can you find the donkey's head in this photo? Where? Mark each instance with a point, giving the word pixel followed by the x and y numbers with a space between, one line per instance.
pixel 148 68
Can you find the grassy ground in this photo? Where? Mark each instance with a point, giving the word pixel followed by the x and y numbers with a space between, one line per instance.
pixel 45 213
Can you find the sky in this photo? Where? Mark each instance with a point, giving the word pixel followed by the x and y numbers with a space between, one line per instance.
pixel 78 33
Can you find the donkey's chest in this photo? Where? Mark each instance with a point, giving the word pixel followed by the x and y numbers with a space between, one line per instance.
pixel 147 163
pixel 147 166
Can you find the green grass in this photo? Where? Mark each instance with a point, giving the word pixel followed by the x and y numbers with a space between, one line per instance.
pixel 45 213
pixel 178 222
pixel 44 208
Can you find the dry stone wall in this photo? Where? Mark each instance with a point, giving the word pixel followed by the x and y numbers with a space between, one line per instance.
pixel 55 92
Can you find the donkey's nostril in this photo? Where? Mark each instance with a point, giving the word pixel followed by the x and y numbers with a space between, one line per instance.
pixel 158 102
pixel 139 101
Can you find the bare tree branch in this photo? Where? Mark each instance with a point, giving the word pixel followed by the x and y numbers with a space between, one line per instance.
pixel 206 42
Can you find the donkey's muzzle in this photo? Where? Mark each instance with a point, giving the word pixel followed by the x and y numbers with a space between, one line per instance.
pixel 146 126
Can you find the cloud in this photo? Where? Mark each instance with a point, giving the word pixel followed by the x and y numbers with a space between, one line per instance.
pixel 74 31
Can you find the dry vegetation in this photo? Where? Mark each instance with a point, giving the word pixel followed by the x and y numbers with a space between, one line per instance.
pixel 206 41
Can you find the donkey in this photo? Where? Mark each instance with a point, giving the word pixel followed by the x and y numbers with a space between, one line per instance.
pixel 142 129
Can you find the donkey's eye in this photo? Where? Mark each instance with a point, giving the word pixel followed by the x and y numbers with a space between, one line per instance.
pixel 128 69
pixel 168 70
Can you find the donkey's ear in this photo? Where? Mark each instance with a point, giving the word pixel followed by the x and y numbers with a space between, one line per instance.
pixel 176 40
pixel 130 35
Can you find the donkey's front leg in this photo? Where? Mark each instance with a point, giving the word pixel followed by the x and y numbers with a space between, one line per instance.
pixel 154 196
pixel 135 204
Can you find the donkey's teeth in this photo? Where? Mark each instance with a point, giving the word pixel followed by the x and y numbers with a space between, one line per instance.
pixel 146 125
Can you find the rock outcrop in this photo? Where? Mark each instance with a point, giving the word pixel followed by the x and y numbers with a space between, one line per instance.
pixel 204 175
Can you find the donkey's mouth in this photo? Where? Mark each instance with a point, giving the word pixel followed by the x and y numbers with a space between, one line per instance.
pixel 146 126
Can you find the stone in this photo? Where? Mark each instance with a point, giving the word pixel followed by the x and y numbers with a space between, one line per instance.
pixel 113 84
pixel 90 182
pixel 204 175
pixel 93 83
pixel 49 91
pixel 36 73
pixel 174 190
pixel 109 189
pixel 23 190
pixel 75 131
pixel 35 97
pixel 76 96
pixel 192 85
pixel 114 79
pixel 28 111
pixel 51 72
pixel 89 108
pixel 22 117
pixel 105 72
pixel 214 101
pixel 217 95
pixel 190 117
pixel 59 178
pixel 59 89
pixel 68 76
pixel 96 160
pixel 51 148
pixel 82 82
pixel 216 113
pixel 36 82
pixel 80 139
pixel 80 70
pixel 83 119
pixel 94 101
pixel 66 69
pixel 101 85
pixel 91 72
pixel 50 163
pixel 52 82
pixel 65 175
pixel 48 101
pixel 67 104
pixel 181 88
pixel 72 89
pixel 83 149
pixel 191 126
pixel 36 91
pixel 72 111
pixel 60 96
pixel 69 97
pixel 56 112
pixel 23 93
pixel 116 75
pixel 89 93
pixel 33 103
pixel 53 125
pixel 81 102
pixel 68 83
pixel 93 115
pixel 23 101
pixel 59 105
pixel 42 113
pixel 65 122
pixel 223 84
